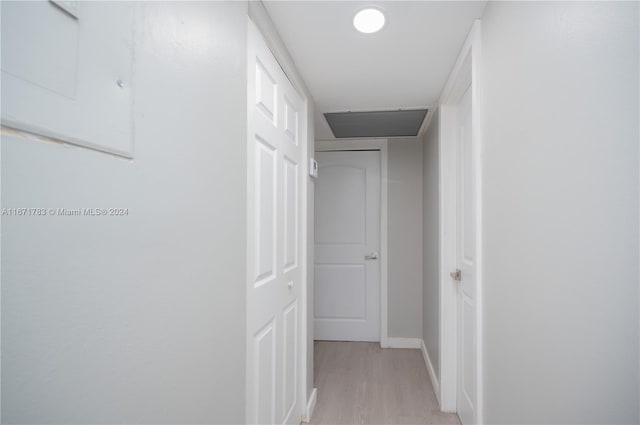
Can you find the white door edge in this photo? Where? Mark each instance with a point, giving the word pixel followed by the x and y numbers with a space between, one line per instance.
pixel 465 73
pixel 381 145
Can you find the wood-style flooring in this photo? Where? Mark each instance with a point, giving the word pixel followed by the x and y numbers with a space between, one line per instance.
pixel 360 383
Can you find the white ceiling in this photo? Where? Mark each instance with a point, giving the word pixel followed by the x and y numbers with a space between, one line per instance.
pixel 405 65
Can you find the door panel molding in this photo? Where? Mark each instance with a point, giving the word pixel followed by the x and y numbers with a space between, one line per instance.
pixel 368 145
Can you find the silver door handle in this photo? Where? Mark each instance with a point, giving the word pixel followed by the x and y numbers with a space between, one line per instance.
pixel 457 275
pixel 372 256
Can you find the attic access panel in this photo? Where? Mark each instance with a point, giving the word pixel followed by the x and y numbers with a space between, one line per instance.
pixel 399 123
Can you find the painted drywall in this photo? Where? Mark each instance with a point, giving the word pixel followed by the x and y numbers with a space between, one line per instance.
pixel 405 238
pixel 136 318
pixel 261 18
pixel 560 138
pixel 431 242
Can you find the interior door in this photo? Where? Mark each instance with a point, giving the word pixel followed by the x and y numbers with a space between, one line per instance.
pixel 465 253
pixel 274 246
pixel 347 244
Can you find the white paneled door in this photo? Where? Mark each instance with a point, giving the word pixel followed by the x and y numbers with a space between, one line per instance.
pixel 347 244
pixel 276 176
pixel 466 260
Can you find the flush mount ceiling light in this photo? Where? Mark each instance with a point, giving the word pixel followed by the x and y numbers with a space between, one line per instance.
pixel 369 21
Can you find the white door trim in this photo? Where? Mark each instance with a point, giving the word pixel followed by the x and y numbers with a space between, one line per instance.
pixel 381 145
pixel 465 73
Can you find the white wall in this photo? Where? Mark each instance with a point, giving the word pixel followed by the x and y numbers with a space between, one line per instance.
pixel 431 242
pixel 136 319
pixel 560 161
pixel 405 238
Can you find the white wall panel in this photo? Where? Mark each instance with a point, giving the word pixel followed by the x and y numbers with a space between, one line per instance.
pixel 69 77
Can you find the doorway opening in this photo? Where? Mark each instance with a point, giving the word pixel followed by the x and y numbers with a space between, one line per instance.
pixel 350 300
pixel 365 381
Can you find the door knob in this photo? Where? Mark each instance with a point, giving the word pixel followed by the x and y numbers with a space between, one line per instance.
pixel 290 284
pixel 457 275
pixel 372 256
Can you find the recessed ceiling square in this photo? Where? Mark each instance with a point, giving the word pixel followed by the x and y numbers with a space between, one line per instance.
pixel 398 123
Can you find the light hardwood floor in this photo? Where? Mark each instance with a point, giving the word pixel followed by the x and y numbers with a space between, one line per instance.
pixel 360 383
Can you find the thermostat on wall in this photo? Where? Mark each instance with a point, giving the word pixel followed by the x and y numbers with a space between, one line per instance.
pixel 313 168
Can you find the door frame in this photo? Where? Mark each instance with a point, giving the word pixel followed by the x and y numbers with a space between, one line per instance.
pixel 465 73
pixel 257 16
pixel 381 145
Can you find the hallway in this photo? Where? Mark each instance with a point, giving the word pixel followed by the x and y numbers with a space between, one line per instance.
pixel 360 383
pixel 202 201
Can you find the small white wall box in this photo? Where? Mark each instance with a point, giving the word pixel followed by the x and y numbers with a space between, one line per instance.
pixel 67 70
pixel 313 168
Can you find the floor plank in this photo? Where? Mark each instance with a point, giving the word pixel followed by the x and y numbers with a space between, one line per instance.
pixel 360 383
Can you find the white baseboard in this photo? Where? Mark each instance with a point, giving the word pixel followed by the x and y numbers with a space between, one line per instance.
pixel 311 406
pixel 393 342
pixel 431 371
